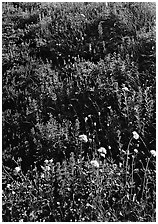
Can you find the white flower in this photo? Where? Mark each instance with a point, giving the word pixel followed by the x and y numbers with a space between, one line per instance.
pixel 102 150
pixel 136 151
pixel 17 170
pixel 153 153
pixel 135 135
pixel 46 161
pixel 51 160
pixel 83 138
pixel 95 163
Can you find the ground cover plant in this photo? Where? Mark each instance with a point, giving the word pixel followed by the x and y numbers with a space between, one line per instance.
pixel 79 112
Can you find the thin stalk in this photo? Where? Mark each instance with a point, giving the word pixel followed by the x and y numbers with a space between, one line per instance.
pixel 132 175
pixel 127 158
pixel 145 176
pixel 8 173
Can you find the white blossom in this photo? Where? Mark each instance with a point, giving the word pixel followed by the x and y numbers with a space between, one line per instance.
pixel 95 163
pixel 46 161
pixel 135 135
pixel 17 170
pixel 136 151
pixel 102 150
pixel 153 153
pixel 83 138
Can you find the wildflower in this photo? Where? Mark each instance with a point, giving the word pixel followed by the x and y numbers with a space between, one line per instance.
pixel 46 161
pixel 83 138
pixel 17 170
pixel 136 151
pixel 51 160
pixel 95 163
pixel 135 135
pixel 153 153
pixel 102 150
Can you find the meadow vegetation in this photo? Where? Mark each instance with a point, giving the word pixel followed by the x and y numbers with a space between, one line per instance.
pixel 79 112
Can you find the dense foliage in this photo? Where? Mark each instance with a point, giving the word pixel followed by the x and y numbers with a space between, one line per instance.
pixel 73 69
